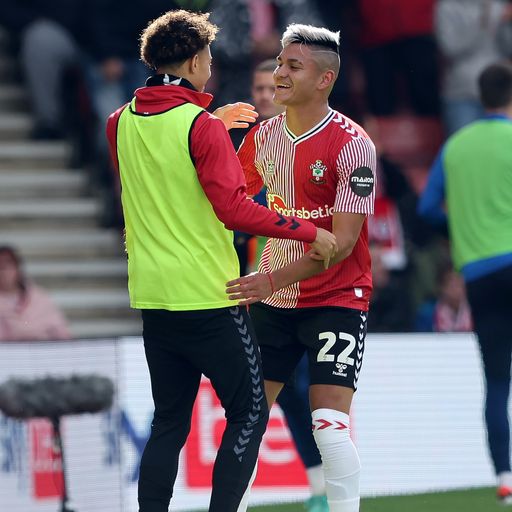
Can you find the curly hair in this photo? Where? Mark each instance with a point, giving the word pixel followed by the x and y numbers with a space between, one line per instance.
pixel 174 37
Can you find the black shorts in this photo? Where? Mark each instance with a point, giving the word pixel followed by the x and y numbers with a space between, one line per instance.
pixel 332 336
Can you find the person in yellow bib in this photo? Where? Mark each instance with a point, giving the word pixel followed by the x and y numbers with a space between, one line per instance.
pixel 183 191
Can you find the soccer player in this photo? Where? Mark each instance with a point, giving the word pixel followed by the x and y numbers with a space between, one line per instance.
pixel 473 177
pixel 294 398
pixel 319 165
pixel 182 190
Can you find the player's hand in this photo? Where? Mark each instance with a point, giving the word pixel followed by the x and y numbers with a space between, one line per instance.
pixel 236 115
pixel 324 247
pixel 250 289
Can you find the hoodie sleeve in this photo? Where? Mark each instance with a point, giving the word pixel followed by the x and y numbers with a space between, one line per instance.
pixel 222 178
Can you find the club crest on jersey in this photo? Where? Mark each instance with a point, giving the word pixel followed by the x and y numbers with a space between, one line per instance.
pixel 270 167
pixel 318 170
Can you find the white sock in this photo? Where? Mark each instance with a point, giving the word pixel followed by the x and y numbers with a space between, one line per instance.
pixel 505 479
pixel 331 430
pixel 316 480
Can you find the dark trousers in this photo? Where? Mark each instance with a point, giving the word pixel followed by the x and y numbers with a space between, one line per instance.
pixel 294 401
pixel 181 346
pixel 490 298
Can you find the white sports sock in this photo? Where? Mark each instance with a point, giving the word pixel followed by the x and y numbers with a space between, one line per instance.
pixel 316 480
pixel 505 479
pixel 331 430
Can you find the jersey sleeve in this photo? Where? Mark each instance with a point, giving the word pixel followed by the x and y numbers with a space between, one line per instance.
pixel 247 156
pixel 357 178
pixel 221 176
pixel 111 133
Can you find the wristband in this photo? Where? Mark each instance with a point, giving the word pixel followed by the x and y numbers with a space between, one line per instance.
pixel 271 282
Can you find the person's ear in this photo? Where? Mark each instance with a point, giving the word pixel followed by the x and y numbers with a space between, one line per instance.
pixel 193 63
pixel 326 79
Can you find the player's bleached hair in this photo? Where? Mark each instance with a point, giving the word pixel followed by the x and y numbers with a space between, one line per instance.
pixel 311 36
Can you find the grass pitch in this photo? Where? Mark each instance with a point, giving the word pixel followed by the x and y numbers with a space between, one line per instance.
pixel 471 500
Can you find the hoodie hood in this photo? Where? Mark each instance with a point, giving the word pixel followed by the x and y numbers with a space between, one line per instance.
pixel 163 92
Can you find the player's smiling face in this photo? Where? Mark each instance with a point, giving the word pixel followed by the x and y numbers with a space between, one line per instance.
pixel 296 76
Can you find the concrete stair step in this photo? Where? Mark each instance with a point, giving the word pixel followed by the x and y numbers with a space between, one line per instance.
pixel 42 184
pixel 34 154
pixel 89 303
pixel 49 212
pixel 14 125
pixel 88 268
pixel 84 299
pixel 106 328
pixel 13 98
pixel 69 243
pixel 93 273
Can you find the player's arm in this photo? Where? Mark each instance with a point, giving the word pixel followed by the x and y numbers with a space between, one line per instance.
pixel 431 202
pixel 256 287
pixel 111 133
pixel 355 195
pixel 222 179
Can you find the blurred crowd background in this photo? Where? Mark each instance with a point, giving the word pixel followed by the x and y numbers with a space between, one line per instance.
pixel 408 76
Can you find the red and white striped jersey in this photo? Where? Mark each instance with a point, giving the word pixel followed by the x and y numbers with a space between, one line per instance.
pixel 331 168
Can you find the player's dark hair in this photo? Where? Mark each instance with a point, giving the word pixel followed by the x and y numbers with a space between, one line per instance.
pixel 495 84
pixel 311 36
pixel 174 37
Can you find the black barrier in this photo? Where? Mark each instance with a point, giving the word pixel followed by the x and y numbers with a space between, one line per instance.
pixel 53 397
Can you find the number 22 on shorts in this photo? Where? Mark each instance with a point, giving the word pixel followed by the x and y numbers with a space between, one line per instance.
pixel 343 357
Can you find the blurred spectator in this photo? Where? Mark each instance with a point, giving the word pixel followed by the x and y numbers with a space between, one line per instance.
pixel 26 311
pixel 473 172
pixel 407 243
pixel 250 31
pixel 471 35
pixel 396 38
pixel 390 302
pixel 114 71
pixel 450 312
pixel 262 92
pixel 51 34
pixel 262 97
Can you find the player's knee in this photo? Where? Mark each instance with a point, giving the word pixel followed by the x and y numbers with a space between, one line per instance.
pixel 331 430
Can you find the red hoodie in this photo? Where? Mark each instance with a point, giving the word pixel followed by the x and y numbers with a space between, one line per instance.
pixel 218 168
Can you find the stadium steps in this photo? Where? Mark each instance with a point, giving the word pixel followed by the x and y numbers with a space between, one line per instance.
pixel 14 125
pixel 77 245
pixel 98 273
pixel 47 211
pixel 35 155
pixel 37 184
pixel 35 212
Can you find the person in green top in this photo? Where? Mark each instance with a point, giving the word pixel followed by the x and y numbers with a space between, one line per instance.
pixel 473 177
pixel 183 191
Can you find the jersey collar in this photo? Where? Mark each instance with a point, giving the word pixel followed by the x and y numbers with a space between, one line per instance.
pixel 317 128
